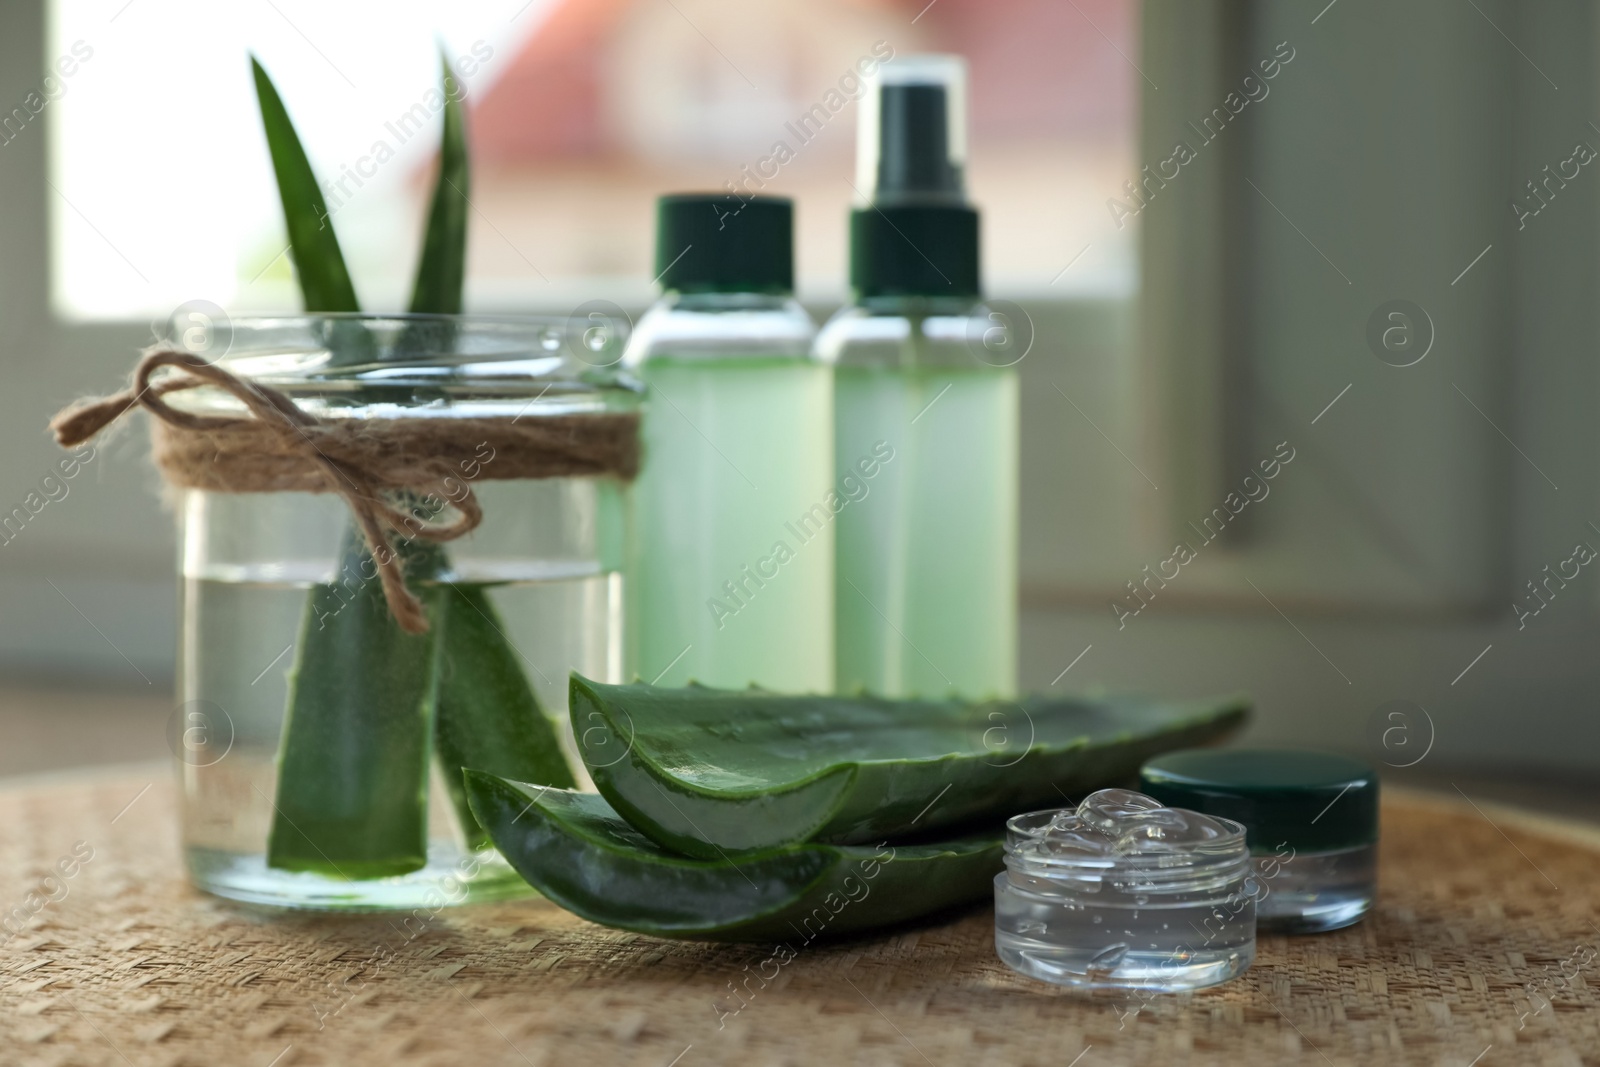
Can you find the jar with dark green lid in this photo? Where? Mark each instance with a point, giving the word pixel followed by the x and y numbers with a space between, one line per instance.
pixel 1312 822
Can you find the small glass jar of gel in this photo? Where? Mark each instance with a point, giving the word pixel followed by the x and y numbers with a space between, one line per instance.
pixel 1123 893
pixel 1312 819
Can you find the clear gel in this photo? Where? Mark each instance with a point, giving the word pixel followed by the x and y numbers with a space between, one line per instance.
pixel 1122 893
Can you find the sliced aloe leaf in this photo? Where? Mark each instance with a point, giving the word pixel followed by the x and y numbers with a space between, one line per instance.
pixel 577 851
pixel 712 772
pixel 352 764
pixel 351 802
pixel 353 761
pixel 488 717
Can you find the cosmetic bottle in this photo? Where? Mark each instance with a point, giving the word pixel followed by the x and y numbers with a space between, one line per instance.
pixel 925 399
pixel 730 573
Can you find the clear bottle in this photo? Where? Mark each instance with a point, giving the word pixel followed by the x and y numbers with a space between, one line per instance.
pixel 925 411
pixel 730 573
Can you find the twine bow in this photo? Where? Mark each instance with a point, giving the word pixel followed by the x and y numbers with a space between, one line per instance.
pixel 361 482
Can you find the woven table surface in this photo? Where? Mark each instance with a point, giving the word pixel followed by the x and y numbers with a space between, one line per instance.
pixel 1480 951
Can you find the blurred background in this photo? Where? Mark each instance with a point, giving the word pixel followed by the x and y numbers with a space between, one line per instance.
pixel 1355 241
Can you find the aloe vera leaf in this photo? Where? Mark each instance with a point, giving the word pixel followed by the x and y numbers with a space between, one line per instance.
pixel 353 762
pixel 580 853
pixel 487 715
pixel 324 281
pixel 488 718
pixel 711 772
pixel 352 797
pixel 442 270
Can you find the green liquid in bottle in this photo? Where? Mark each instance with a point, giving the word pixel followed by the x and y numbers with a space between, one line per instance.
pixel 731 571
pixel 927 568
pixel 927 560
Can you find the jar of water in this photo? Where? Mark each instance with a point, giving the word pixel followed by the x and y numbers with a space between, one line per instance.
pixel 320 746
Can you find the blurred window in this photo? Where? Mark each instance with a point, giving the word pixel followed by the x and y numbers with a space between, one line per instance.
pixel 581 111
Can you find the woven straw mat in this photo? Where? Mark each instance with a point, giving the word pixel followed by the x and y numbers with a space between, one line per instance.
pixel 1480 951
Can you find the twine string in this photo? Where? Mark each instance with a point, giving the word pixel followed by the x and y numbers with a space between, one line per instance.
pixel 357 475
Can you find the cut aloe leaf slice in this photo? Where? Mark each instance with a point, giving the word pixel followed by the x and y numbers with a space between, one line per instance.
pixel 577 851
pixel 365 697
pixel 488 717
pixel 714 773
pixel 353 762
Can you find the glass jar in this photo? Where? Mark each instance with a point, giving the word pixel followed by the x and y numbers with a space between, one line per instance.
pixel 1122 893
pixel 1312 821
pixel 1315 891
pixel 545 560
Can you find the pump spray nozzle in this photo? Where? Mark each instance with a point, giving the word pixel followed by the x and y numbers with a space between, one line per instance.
pixel 912 232
pixel 912 135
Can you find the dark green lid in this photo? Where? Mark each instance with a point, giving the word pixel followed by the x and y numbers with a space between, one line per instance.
pixel 1309 801
pixel 721 243
pixel 914 250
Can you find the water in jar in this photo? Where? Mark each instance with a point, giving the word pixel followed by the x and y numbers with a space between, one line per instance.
pixel 546 557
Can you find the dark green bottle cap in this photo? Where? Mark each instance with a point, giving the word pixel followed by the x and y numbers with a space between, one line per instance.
pixel 914 250
pixel 1309 801
pixel 722 243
